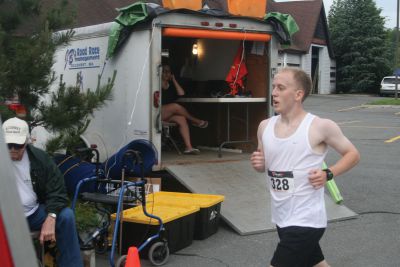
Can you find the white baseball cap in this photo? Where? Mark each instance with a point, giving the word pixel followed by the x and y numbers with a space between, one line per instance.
pixel 16 131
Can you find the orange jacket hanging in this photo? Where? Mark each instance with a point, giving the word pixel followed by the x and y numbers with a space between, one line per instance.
pixel 237 72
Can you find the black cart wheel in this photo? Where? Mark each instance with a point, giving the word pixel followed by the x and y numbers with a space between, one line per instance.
pixel 121 261
pixel 101 244
pixel 159 253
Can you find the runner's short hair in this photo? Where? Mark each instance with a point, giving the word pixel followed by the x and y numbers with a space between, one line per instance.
pixel 302 79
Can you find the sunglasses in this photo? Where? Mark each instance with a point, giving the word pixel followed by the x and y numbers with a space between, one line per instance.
pixel 15 146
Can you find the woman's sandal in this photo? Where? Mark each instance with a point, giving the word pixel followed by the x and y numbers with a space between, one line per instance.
pixel 203 124
pixel 193 151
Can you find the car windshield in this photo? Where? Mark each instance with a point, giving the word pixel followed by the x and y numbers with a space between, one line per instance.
pixel 390 80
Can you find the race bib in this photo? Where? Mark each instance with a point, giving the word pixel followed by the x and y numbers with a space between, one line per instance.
pixel 281 181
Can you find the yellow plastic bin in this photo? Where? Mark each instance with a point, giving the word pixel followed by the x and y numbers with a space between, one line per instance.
pixel 178 222
pixel 188 4
pixel 249 8
pixel 207 219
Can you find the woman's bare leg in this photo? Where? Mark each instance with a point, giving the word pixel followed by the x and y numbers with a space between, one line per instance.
pixel 183 129
pixel 173 109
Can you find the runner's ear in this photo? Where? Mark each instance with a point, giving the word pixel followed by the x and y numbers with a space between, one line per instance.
pixel 299 94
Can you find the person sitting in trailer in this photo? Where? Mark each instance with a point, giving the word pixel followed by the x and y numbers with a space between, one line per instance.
pixel 174 112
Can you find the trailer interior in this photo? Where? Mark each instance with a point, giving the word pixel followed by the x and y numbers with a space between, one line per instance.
pixel 201 65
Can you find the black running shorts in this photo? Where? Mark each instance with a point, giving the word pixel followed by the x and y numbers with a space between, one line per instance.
pixel 298 247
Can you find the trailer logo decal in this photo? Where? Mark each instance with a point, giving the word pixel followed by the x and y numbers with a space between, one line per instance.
pixel 82 58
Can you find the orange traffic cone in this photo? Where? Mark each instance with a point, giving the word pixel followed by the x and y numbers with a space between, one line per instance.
pixel 132 260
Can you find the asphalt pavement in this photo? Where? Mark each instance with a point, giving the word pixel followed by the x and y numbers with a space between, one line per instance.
pixel 371 190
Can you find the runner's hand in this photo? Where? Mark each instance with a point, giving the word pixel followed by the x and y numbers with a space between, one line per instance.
pixel 258 161
pixel 317 178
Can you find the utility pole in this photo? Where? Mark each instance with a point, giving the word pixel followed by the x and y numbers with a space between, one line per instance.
pixel 396 53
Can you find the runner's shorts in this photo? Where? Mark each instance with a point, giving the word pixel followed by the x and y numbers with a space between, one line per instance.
pixel 298 247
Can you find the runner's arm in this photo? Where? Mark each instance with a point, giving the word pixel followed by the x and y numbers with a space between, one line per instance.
pixel 335 138
pixel 257 158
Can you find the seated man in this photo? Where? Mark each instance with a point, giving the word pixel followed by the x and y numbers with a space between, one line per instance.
pixel 174 112
pixel 42 192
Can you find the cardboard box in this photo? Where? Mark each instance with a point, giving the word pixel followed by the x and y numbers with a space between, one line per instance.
pixel 177 4
pixel 248 8
pixel 152 185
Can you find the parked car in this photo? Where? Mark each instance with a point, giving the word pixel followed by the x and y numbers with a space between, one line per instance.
pixel 388 85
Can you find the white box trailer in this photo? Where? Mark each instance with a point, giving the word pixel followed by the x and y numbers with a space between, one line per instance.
pixel 131 114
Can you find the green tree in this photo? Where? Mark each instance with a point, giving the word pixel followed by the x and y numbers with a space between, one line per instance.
pixel 28 41
pixel 27 48
pixel 359 40
pixel 391 42
pixel 68 112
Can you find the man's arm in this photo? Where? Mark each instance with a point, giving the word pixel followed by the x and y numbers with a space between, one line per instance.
pixel 335 138
pixel 257 158
pixel 56 199
pixel 330 134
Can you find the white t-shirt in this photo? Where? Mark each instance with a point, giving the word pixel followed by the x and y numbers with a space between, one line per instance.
pixel 295 202
pixel 24 184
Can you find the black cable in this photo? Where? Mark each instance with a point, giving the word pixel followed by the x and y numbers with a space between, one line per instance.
pixel 147 231
pixel 200 256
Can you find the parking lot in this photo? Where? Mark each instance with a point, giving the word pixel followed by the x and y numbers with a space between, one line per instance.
pixel 371 190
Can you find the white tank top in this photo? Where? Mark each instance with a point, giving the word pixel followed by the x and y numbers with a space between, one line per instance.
pixel 295 202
